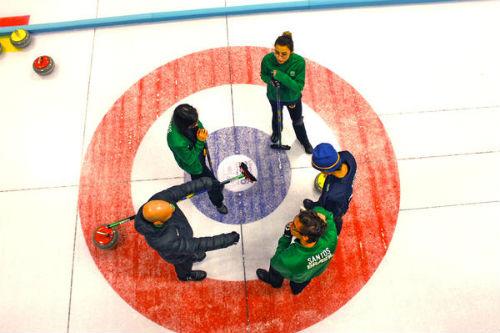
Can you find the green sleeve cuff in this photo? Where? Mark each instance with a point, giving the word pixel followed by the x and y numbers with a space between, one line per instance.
pixel 288 82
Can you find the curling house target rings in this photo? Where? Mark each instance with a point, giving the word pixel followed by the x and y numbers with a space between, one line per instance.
pixel 145 281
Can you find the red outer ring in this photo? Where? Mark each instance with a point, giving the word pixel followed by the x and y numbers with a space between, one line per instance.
pixel 149 285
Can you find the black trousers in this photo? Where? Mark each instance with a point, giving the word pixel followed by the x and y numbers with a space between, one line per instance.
pixel 338 223
pixel 184 268
pixel 276 280
pixel 215 194
pixel 295 111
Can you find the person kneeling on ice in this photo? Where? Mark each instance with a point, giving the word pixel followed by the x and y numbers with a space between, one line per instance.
pixel 167 230
pixel 308 256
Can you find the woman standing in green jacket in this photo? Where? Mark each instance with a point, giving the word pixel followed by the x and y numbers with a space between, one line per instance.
pixel 284 72
pixel 186 139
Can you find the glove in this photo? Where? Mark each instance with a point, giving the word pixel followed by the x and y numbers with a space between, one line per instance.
pixel 275 83
pixel 202 134
pixel 216 184
pixel 287 231
pixel 235 236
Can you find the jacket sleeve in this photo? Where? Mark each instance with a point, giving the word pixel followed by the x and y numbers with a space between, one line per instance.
pixel 331 229
pixel 265 71
pixel 326 213
pixel 297 84
pixel 181 245
pixel 283 244
pixel 179 192
pixel 188 154
pixel 337 198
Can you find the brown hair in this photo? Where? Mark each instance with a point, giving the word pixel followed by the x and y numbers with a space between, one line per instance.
pixel 285 39
pixel 312 225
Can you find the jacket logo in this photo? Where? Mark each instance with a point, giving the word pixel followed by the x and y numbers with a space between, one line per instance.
pixel 319 258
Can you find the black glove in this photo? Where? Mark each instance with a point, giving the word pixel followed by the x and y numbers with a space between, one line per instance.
pixel 217 184
pixel 275 83
pixel 235 236
pixel 287 231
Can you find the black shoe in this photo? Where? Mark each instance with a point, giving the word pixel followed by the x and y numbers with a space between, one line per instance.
pixel 308 148
pixel 308 204
pixel 222 209
pixel 274 137
pixel 195 276
pixel 197 257
pixel 263 275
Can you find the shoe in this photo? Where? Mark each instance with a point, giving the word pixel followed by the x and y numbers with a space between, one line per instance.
pixel 308 148
pixel 274 137
pixel 263 275
pixel 308 204
pixel 222 209
pixel 195 276
pixel 197 257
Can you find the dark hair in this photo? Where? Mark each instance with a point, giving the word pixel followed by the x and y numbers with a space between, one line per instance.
pixel 312 225
pixel 285 39
pixel 184 116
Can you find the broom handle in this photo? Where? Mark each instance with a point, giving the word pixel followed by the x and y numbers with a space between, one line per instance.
pixel 117 223
pixel 231 179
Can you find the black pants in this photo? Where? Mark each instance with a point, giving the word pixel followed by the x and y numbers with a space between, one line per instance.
pixel 215 194
pixel 184 268
pixel 276 280
pixel 338 223
pixel 295 111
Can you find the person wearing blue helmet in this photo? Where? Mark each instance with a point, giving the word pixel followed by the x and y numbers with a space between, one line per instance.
pixel 340 170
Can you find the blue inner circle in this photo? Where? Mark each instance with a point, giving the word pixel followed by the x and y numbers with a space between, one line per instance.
pixel 273 178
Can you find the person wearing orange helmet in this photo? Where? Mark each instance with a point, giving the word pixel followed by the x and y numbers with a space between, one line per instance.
pixel 167 230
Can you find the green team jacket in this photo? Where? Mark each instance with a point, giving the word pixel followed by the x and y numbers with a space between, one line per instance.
pixel 298 263
pixel 291 75
pixel 185 153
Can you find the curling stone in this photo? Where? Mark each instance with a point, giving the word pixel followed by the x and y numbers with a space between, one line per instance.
pixel 20 38
pixel 319 181
pixel 43 65
pixel 105 238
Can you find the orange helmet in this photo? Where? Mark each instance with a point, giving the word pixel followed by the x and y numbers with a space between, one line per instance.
pixel 158 211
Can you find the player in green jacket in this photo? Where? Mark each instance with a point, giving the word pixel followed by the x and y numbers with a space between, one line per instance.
pixel 284 72
pixel 306 257
pixel 186 139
